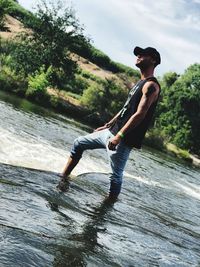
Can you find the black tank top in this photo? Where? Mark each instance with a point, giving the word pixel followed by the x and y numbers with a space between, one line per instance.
pixel 135 136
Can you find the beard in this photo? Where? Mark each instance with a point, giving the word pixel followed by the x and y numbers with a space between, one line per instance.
pixel 143 64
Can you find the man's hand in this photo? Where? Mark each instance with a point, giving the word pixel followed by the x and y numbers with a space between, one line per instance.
pixel 101 128
pixel 114 142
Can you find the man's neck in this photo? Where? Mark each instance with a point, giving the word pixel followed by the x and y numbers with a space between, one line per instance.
pixel 146 74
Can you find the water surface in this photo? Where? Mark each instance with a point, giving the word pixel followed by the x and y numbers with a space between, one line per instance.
pixel 155 222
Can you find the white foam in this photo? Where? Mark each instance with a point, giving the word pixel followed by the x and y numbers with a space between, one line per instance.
pixel 189 189
pixel 37 153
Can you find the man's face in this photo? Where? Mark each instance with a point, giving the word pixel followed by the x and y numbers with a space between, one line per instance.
pixel 144 61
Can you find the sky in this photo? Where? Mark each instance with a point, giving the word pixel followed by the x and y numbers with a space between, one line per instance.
pixel 117 26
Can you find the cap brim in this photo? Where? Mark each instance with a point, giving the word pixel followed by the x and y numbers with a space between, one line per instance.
pixel 138 51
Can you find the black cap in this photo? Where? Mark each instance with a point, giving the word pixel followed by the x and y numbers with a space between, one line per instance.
pixel 150 51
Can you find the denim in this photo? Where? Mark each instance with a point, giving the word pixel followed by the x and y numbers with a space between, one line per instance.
pixel 117 158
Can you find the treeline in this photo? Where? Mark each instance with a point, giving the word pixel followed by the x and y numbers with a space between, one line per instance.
pixel 178 119
pixel 41 58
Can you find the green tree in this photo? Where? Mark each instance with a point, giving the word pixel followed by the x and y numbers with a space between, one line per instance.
pixel 169 79
pixel 54 30
pixel 180 117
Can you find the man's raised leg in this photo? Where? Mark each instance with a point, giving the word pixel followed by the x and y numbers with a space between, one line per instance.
pixel 82 143
pixel 71 164
pixel 64 182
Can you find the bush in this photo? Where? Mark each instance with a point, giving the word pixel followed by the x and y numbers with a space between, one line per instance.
pixel 5 60
pixel 74 95
pixel 86 74
pixel 155 139
pixel 79 85
pixel 11 82
pixel 105 98
pixel 6 46
pixel 37 85
pixel 4 7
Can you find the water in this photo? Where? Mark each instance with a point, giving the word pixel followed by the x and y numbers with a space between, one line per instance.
pixel 155 222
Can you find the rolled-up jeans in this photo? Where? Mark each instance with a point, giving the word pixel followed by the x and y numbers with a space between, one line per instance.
pixel 117 158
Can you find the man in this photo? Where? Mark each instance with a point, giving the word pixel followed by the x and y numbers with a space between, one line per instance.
pixel 127 129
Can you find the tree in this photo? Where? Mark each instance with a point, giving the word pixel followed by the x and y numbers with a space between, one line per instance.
pixel 181 105
pixel 54 30
pixel 169 79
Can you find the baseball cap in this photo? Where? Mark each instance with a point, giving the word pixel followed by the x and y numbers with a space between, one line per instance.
pixel 150 51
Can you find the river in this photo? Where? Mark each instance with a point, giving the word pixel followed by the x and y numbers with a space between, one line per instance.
pixel 155 222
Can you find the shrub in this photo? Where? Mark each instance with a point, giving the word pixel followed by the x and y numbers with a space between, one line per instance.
pixel 155 138
pixel 105 98
pixel 38 83
pixel 86 74
pixel 6 46
pixel 79 84
pixel 4 7
pixel 10 81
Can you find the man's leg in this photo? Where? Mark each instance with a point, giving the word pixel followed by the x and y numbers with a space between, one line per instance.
pixel 71 164
pixel 118 159
pixel 91 141
pixel 63 185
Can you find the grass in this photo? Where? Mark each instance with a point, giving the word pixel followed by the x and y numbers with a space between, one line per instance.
pixel 180 153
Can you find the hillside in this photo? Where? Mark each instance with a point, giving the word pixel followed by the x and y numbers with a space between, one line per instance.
pixel 89 75
pixel 12 26
pixel 15 27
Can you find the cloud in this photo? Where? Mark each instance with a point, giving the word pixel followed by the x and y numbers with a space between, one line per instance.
pixel 116 26
pixel 171 26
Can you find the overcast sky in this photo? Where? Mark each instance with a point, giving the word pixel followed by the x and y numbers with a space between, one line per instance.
pixel 117 26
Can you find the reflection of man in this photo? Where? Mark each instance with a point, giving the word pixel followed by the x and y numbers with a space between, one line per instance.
pixel 127 129
pixel 86 241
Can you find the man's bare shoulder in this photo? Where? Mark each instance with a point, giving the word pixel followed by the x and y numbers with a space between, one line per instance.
pixel 151 85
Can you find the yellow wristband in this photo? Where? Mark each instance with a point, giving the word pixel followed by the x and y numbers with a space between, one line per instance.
pixel 120 134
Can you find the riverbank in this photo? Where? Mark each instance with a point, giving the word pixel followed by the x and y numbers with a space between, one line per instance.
pixel 156 142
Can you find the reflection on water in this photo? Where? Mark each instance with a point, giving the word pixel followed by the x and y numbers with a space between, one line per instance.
pixel 155 222
pixel 88 240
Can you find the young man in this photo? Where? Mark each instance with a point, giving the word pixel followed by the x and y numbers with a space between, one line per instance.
pixel 127 129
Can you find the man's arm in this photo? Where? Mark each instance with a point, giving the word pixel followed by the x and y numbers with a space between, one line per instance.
pixel 129 85
pixel 108 124
pixel 150 93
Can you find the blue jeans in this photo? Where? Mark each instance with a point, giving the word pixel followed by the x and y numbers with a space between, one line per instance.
pixel 117 158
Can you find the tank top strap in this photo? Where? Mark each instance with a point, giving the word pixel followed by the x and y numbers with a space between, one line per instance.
pixel 153 79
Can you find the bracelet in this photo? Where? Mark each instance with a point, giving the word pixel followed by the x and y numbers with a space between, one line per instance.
pixel 120 134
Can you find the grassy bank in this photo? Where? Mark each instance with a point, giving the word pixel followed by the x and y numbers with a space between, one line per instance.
pixel 154 140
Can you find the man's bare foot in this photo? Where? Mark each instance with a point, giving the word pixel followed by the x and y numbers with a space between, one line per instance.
pixel 63 184
pixel 111 198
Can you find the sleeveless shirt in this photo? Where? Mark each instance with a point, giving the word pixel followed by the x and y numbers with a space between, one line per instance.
pixel 135 136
